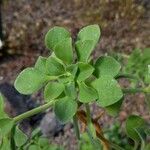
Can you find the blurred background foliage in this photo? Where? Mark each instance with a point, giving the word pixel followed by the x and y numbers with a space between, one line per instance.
pixel 125 25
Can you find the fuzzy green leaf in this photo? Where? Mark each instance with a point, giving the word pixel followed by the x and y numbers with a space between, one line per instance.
pixel 6 125
pixel 63 50
pixel 73 68
pixel 133 125
pixel 91 32
pixel 41 64
pixel 70 90
pixel 55 36
pixel 66 79
pixel 54 67
pixel 65 108
pixel 84 49
pixel 6 144
pixel 106 65
pixel 2 112
pixel 108 89
pixel 85 71
pixel 114 109
pixel 19 137
pixel 30 80
pixel 87 94
pixel 34 147
pixel 43 142
pixel 53 90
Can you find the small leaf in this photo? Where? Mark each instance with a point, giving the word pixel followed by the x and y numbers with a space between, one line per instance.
pixel 65 108
pixel 2 112
pixel 19 137
pixel 66 79
pixel 91 32
pixel 54 67
pixel 63 50
pixel 53 90
pixel 54 36
pixel 73 68
pixel 85 71
pixel 6 125
pixel 30 80
pixel 41 64
pixel 6 145
pixel 34 147
pixel 133 124
pixel 87 94
pixel 43 142
pixel 114 109
pixel 106 65
pixel 70 90
pixel 84 50
pixel 108 89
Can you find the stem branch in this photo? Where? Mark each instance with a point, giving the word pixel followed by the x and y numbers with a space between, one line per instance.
pixel 76 127
pixel 126 76
pixel 89 124
pixel 133 90
pixel 33 112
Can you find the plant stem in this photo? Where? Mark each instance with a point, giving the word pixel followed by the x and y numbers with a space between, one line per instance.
pixel 133 90
pixel 135 146
pixel 88 113
pixel 76 127
pixel 89 123
pixel 126 76
pixel 130 76
pixel 147 97
pixel 116 147
pixel 33 111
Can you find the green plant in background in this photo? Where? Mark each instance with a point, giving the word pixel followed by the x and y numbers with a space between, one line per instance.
pixel 70 81
pixel 139 64
pixel 136 67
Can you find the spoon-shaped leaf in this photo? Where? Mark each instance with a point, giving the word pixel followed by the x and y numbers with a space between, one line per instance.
pixel 41 64
pixel 54 36
pixel 53 90
pixel 54 67
pixel 87 94
pixel 87 39
pixel 91 32
pixel 63 50
pixel 106 65
pixel 85 71
pixel 6 125
pixel 108 89
pixel 65 108
pixel 19 137
pixel 30 80
pixel 84 49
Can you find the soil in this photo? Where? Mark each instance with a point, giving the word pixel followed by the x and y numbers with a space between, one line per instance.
pixel 124 27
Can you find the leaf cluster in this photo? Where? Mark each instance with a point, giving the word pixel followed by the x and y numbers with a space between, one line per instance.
pixel 70 81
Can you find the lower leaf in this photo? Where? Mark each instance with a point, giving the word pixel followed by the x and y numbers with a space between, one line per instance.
pixel 65 108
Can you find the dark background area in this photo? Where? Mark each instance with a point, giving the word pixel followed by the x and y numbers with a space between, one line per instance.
pixel 125 25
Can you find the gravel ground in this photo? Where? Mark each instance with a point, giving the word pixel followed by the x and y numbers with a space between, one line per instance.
pixel 124 27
